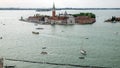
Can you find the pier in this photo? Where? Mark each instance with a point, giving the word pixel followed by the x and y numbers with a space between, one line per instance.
pixel 41 62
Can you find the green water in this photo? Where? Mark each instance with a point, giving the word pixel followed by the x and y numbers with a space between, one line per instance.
pixel 63 42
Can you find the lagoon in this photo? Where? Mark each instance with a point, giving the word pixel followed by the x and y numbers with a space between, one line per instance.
pixel 63 42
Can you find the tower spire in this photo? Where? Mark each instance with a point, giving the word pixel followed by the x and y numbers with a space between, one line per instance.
pixel 53 11
pixel 53 6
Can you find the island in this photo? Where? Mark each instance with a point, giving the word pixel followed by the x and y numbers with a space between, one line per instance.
pixel 85 18
pixel 114 19
pixel 62 18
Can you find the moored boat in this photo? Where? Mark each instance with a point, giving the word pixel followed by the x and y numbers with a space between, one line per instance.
pixel 44 53
pixel 83 52
pixel 81 57
pixel 9 66
pixel 44 47
pixel 35 32
pixel 40 28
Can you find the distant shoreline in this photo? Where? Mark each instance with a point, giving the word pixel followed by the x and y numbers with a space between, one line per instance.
pixel 59 9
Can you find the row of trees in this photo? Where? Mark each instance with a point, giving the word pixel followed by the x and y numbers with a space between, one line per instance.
pixel 91 15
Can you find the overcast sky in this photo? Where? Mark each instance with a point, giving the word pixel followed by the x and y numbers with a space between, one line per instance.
pixel 61 3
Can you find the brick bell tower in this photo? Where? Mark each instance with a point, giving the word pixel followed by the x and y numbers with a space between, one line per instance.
pixel 53 11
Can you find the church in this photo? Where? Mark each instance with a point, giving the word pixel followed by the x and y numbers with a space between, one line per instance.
pixel 61 18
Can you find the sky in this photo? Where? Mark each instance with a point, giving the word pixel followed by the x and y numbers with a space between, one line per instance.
pixel 60 3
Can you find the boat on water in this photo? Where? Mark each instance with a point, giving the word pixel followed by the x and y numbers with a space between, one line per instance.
pixel 44 47
pixel 9 67
pixel 44 53
pixel 35 32
pixel 39 28
pixel 81 57
pixel 83 52
pixel 1 37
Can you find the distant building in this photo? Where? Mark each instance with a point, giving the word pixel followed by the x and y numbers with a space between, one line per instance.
pixel 37 19
pixel 58 20
pixel 70 20
pixel 53 11
pixel 84 20
pixel 61 18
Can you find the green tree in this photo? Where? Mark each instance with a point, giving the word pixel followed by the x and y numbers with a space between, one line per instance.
pixel 91 15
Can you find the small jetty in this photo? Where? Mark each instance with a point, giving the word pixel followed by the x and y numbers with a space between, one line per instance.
pixel 113 19
pixel 35 32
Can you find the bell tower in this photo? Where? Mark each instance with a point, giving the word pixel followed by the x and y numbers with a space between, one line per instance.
pixel 53 11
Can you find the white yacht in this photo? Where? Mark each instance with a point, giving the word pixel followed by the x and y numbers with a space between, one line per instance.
pixel 83 52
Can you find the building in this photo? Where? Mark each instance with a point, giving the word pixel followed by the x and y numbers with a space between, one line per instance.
pixel 53 11
pixel 61 18
pixel 58 20
pixel 70 20
pixel 38 19
pixel 84 20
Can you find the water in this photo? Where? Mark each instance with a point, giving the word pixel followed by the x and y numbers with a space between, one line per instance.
pixel 63 42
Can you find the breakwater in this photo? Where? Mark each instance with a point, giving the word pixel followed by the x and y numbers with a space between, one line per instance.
pixel 41 62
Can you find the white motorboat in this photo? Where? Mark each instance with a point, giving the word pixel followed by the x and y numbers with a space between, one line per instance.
pixel 83 52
